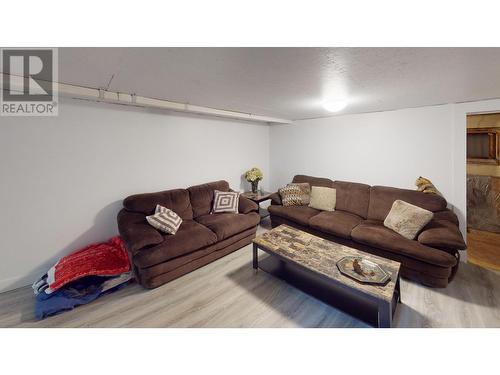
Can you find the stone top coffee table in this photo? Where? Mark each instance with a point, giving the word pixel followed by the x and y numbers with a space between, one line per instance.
pixel 316 259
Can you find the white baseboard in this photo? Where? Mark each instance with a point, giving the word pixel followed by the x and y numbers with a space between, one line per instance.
pixel 18 282
pixel 463 255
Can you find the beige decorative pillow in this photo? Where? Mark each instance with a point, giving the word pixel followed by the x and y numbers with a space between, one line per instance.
pixel 406 219
pixel 165 220
pixel 290 196
pixel 323 198
pixel 305 191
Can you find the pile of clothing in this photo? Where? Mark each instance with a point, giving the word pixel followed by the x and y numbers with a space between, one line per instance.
pixel 82 277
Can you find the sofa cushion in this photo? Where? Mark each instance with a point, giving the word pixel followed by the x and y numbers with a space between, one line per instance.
pixel 136 232
pixel 298 214
pixel 226 225
pixel 176 200
pixel 338 223
pixel 352 197
pixel 375 234
pixel 407 219
pixel 191 236
pixel 382 198
pixel 442 234
pixel 202 196
pixel 313 181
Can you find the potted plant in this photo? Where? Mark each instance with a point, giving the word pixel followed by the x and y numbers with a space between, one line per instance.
pixel 253 176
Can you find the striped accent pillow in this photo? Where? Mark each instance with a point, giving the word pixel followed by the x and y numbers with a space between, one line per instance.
pixel 165 220
pixel 160 209
pixel 225 201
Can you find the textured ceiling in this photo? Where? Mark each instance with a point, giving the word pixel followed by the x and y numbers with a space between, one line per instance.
pixel 290 82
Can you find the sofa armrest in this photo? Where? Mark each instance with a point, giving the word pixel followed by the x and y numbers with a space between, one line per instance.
pixel 275 199
pixel 246 205
pixel 442 234
pixel 136 232
pixel 446 214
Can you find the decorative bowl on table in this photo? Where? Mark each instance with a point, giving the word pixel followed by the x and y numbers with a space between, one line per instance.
pixel 363 270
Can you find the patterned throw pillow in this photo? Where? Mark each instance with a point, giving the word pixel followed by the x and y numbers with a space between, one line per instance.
pixel 225 201
pixel 305 192
pixel 290 195
pixel 165 220
pixel 159 209
pixel 406 219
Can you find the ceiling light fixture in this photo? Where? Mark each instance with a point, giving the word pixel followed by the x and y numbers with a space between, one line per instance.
pixel 335 106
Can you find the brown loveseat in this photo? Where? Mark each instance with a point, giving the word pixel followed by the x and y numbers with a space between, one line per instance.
pixel 431 259
pixel 202 237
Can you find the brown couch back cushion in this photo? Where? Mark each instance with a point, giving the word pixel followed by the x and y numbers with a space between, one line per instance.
pixel 202 196
pixel 177 200
pixel 313 181
pixel 382 198
pixel 352 197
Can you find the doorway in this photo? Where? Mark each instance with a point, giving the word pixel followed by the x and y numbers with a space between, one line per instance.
pixel 483 190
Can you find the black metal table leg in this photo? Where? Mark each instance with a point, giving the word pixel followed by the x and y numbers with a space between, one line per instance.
pixel 384 314
pixel 398 289
pixel 255 257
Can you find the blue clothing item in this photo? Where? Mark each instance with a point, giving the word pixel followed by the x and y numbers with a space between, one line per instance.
pixel 77 293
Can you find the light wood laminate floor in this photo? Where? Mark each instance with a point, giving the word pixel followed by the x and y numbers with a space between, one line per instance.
pixel 229 293
pixel 484 249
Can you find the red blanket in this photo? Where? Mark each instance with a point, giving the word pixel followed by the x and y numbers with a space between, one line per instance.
pixel 102 259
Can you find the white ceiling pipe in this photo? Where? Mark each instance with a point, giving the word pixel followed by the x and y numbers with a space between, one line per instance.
pixel 106 96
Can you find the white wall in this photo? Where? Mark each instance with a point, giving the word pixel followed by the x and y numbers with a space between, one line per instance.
pixel 384 148
pixel 63 178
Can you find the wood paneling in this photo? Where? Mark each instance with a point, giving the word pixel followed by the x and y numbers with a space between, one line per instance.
pixel 490 120
pixel 483 170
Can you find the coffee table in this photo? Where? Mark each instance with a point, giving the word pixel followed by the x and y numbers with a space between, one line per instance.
pixel 309 262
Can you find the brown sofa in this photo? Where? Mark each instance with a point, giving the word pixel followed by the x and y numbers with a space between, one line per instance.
pixel 431 259
pixel 158 258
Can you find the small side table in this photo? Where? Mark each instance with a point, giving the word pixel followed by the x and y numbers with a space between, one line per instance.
pixel 258 198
